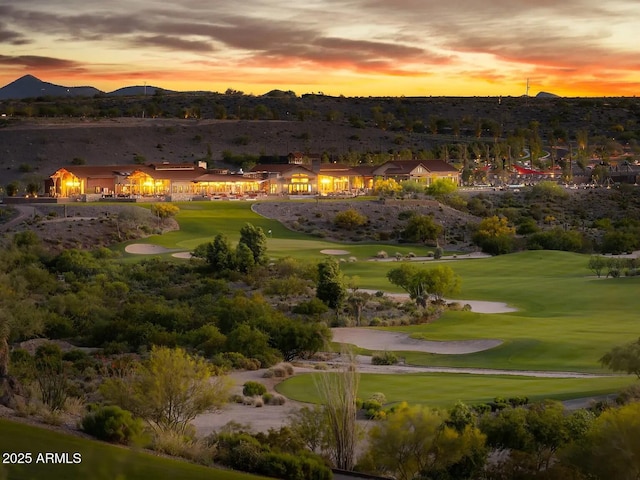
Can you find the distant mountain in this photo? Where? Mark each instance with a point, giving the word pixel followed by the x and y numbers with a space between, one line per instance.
pixel 547 95
pixel 138 90
pixel 30 86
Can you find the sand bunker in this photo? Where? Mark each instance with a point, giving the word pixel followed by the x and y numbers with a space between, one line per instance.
pixel 186 255
pixel 396 341
pixel 335 252
pixel 145 249
pixel 477 306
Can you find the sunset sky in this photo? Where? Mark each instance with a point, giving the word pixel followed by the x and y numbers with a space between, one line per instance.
pixel 348 47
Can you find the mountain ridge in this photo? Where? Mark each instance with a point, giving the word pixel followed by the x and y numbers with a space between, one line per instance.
pixel 29 86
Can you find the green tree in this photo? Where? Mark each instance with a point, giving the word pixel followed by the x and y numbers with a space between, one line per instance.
pixel 421 283
pixel 597 264
pixel 219 254
pixel 294 339
pixel 169 390
pixel 331 287
pixel 245 260
pixel 534 435
pixel 443 282
pixel 254 238
pixel 623 358
pixel 422 228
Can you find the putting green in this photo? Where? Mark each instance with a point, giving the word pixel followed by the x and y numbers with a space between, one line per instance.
pixel 444 389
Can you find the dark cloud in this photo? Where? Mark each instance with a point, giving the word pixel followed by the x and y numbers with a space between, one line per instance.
pixel 395 37
pixel 12 37
pixel 33 61
pixel 172 43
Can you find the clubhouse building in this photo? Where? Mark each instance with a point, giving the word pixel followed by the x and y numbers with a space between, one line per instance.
pixel 184 181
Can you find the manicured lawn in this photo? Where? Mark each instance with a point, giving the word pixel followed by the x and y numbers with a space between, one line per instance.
pixel 566 319
pixel 443 389
pixel 99 460
pixel 200 222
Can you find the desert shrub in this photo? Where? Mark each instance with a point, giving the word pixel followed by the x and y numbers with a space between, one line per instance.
pixel 241 140
pixel 277 399
pixel 314 306
pixel 236 398
pixel 279 372
pixel 288 368
pixel 293 467
pixel 258 402
pixel 481 408
pixel 371 408
pixel 251 389
pixel 629 395
pixel 238 451
pixel 438 252
pixel 379 397
pixel 548 190
pixel 556 239
pixel 321 366
pixel 112 424
pixel 382 254
pixel 267 397
pixel 179 445
pixel 80 360
pixel 527 226
pixel 268 373
pixel 349 219
pixel 237 360
pixel 384 358
pixel 518 401
pixel 406 214
pixel 54 418
pixel 498 404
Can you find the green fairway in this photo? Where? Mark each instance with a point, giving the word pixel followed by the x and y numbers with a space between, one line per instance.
pixel 444 389
pixel 97 460
pixel 566 318
pixel 200 222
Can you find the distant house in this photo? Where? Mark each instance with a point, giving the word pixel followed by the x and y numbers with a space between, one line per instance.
pixel 304 175
pixel 422 171
pixel 163 179
pixel 338 178
pixel 299 158
pixel 286 179
pixel 212 184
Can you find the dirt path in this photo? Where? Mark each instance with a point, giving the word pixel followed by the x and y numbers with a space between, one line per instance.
pixel 24 212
